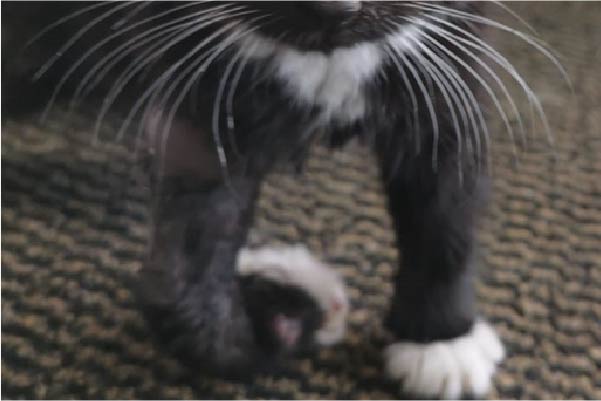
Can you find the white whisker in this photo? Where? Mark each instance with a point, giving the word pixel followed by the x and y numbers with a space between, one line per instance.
pixel 479 44
pixel 199 70
pixel 433 116
pixel 217 104
pixel 457 40
pixel 126 76
pixel 516 16
pixel 449 96
pixel 99 45
pixel 76 37
pixel 151 94
pixel 129 46
pixel 141 5
pixel 412 96
pixel 480 80
pixel 64 20
pixel 538 44
pixel 229 102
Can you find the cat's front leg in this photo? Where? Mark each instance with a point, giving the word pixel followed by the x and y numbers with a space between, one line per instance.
pixel 222 310
pixel 188 285
pixel 442 349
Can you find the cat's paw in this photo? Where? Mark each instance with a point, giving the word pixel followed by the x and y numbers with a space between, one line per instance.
pixel 295 266
pixel 447 369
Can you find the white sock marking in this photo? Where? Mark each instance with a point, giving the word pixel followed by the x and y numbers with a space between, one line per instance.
pixel 450 368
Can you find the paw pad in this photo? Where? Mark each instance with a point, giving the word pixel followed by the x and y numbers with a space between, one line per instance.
pixel 296 266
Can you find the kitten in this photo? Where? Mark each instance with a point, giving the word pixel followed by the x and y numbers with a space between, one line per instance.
pixel 225 91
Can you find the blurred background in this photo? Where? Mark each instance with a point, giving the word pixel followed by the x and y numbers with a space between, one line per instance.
pixel 74 230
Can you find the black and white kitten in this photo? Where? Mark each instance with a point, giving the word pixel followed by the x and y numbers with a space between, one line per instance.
pixel 225 91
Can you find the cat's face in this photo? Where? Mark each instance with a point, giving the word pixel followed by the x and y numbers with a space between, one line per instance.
pixel 327 25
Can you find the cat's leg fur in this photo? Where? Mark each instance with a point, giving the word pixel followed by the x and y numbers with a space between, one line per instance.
pixel 442 349
pixel 188 285
pixel 217 310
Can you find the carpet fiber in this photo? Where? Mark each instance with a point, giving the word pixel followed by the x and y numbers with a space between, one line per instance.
pixel 74 229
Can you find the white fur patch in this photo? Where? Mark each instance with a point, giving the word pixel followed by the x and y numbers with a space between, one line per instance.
pixel 447 369
pixel 296 266
pixel 335 80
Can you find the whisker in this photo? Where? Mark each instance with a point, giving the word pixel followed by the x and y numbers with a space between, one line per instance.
pixel 471 105
pixel 433 116
pixel 97 46
pixel 445 89
pixel 63 20
pixel 75 38
pixel 107 63
pixel 199 70
pixel 480 80
pixel 457 40
pixel 538 44
pixel 412 96
pixel 479 44
pixel 122 51
pixel 515 15
pixel 151 94
pixel 141 5
pixel 231 39
pixel 229 103
pixel 218 98
pixel 159 82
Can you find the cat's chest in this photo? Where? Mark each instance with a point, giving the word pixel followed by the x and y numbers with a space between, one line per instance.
pixel 333 82
pixel 336 82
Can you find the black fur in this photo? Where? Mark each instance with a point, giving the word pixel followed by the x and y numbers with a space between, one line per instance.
pixel 188 285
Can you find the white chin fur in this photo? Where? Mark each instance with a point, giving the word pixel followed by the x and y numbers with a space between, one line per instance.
pixel 447 369
pixel 334 81
pixel 296 266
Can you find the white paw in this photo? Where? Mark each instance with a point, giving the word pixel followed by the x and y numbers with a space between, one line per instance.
pixel 296 266
pixel 447 369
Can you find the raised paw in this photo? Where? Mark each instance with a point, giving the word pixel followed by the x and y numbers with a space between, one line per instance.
pixel 296 267
pixel 447 369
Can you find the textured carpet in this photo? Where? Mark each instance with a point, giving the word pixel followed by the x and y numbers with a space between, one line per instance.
pixel 74 228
